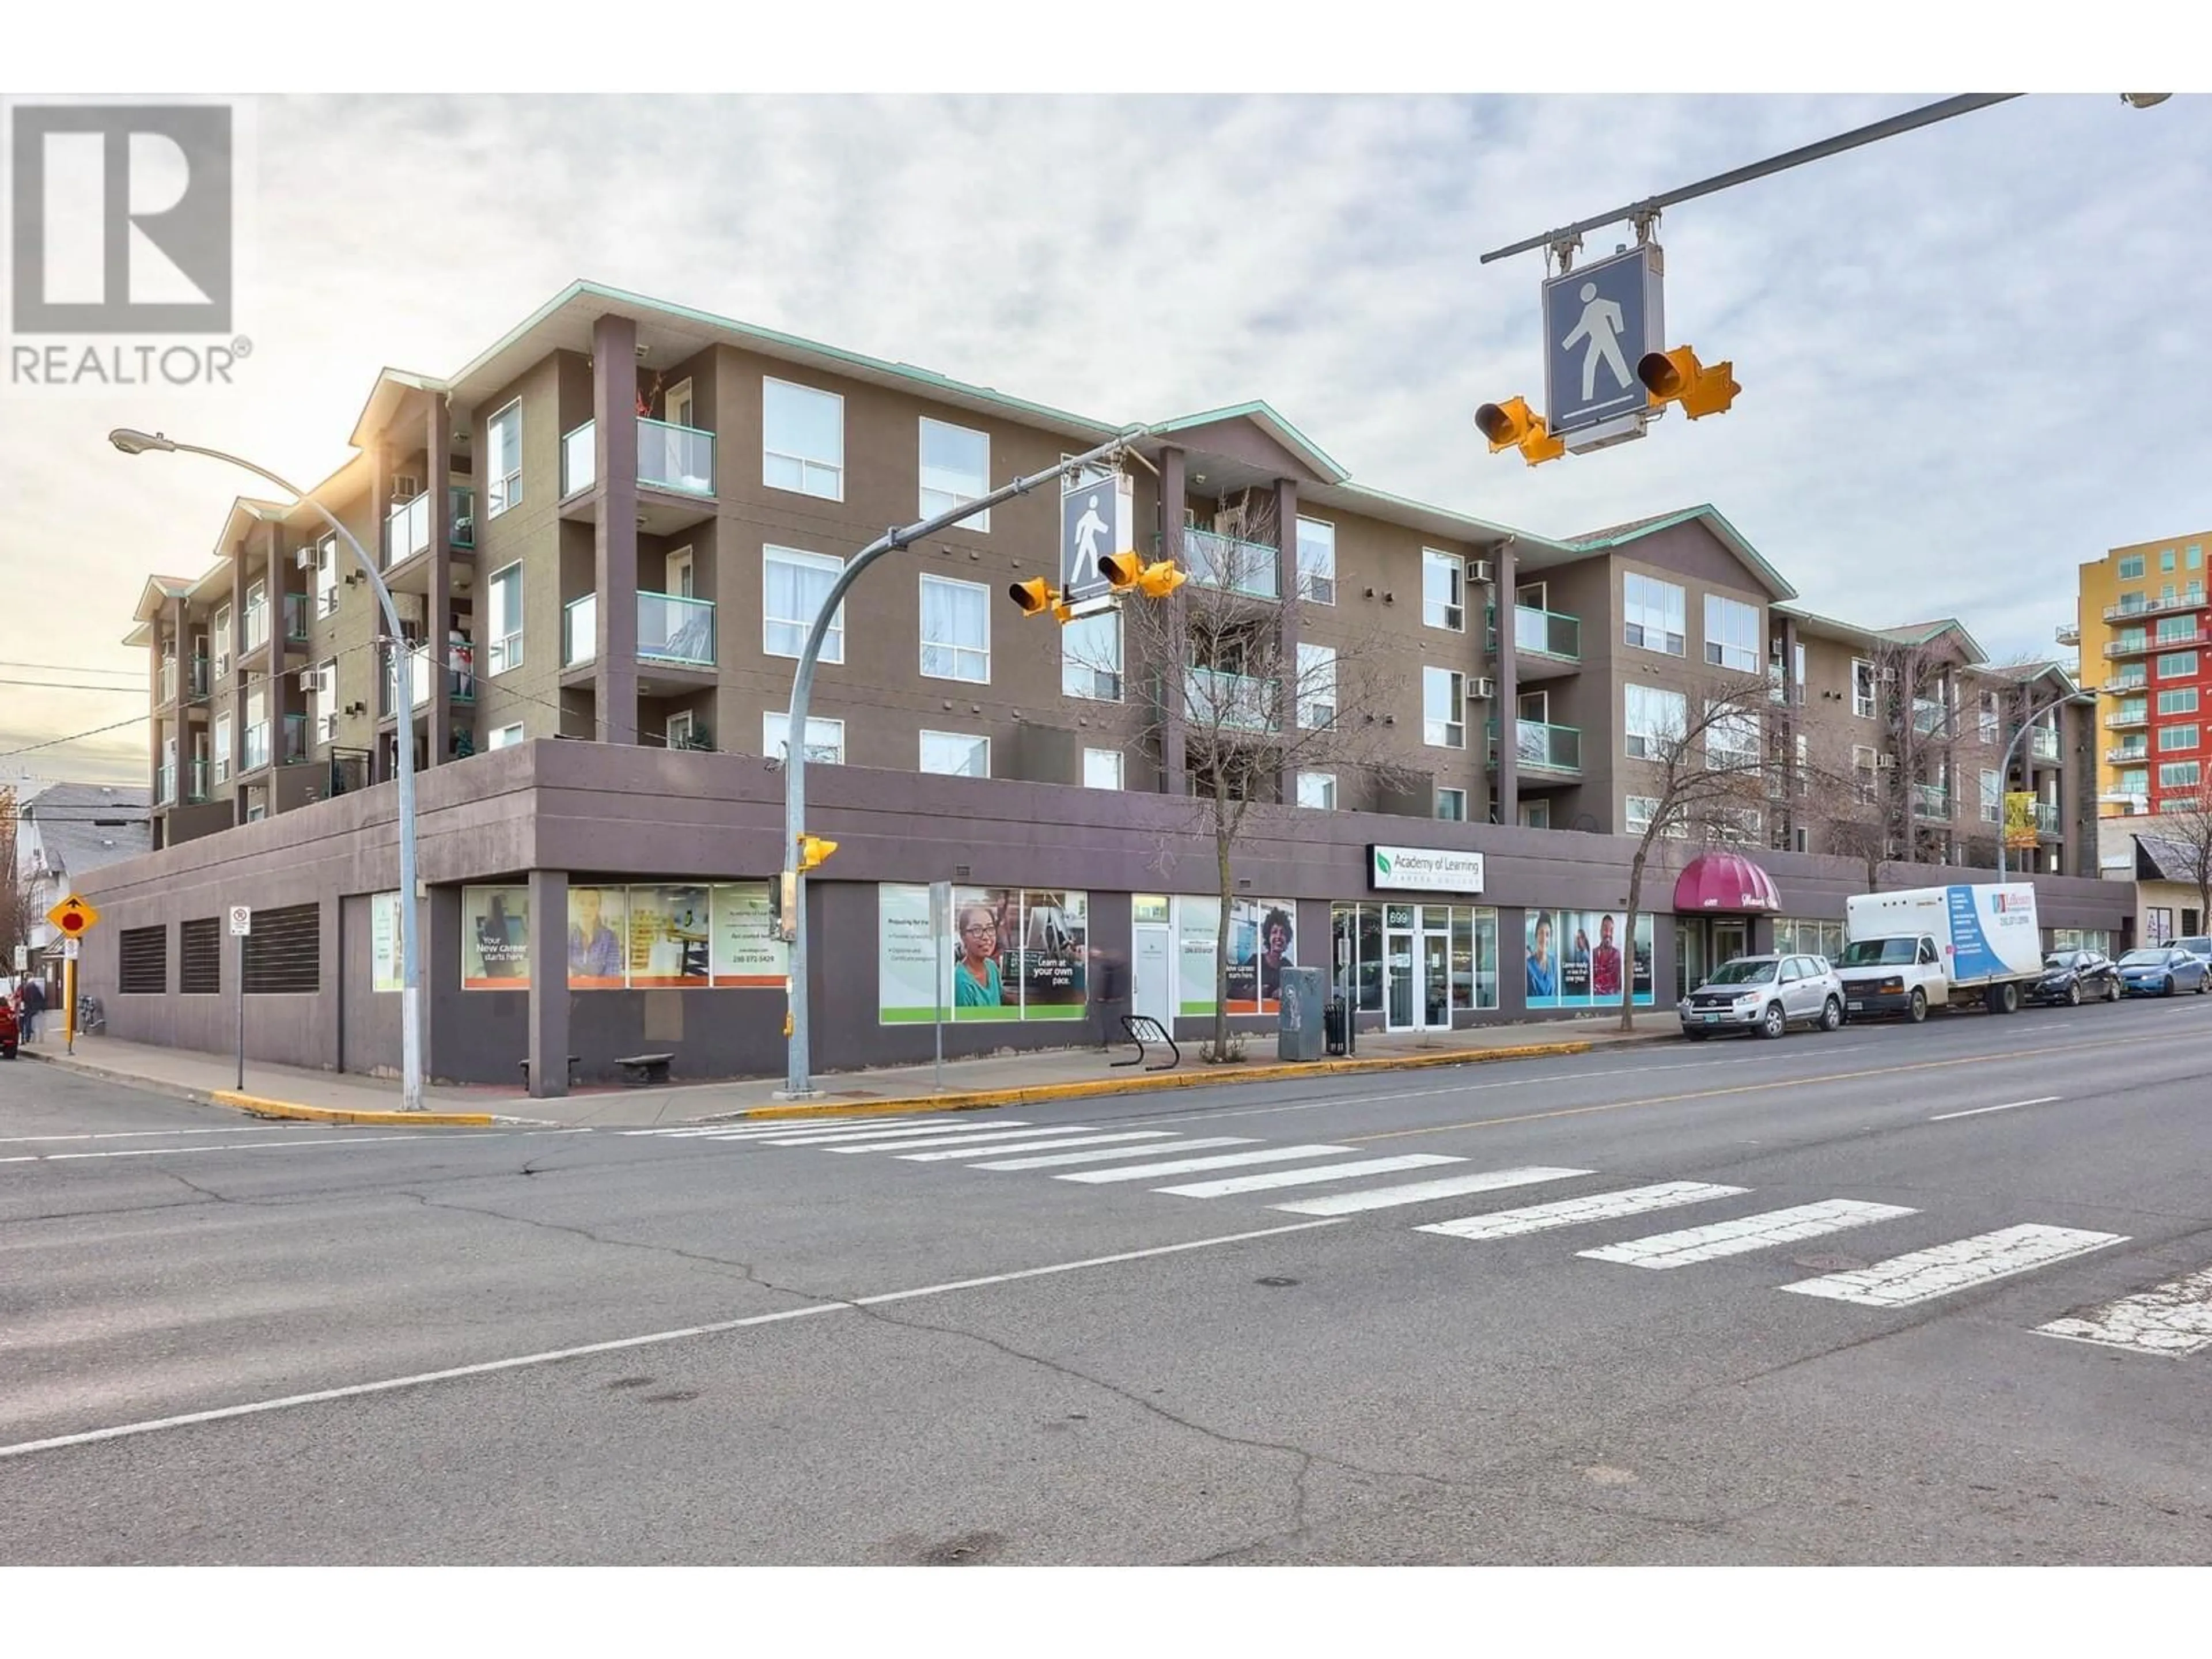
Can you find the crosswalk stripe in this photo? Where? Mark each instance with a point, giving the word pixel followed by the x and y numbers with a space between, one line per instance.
pixel 886 1132
pixel 1425 1192
pixel 1107 1155
pixel 1226 1160
pixel 771 1131
pixel 693 1131
pixel 1261 1182
pixel 1925 1274
pixel 2171 1319
pixel 984 1138
pixel 1751 1233
pixel 1043 1145
pixel 1577 1212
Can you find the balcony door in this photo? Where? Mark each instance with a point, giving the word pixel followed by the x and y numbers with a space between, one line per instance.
pixel 680 577
pixel 676 409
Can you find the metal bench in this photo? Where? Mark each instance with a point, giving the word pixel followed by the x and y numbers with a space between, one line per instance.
pixel 1142 1029
pixel 645 1068
pixel 574 1061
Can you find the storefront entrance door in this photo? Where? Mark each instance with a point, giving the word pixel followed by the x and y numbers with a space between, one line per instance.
pixel 1402 991
pixel 1730 940
pixel 1436 981
pixel 1152 989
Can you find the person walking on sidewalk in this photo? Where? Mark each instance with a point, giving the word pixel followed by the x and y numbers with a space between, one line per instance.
pixel 35 1003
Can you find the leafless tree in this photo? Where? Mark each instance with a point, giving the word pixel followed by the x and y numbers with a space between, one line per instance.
pixel 1217 670
pixel 2186 825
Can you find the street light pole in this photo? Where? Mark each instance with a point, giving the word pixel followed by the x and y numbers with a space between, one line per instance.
pixel 131 442
pixel 2004 776
pixel 798 1081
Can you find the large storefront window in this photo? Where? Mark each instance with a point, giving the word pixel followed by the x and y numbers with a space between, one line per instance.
pixel 686 936
pixel 2098 939
pixel 1420 964
pixel 1811 939
pixel 1006 954
pixel 1576 958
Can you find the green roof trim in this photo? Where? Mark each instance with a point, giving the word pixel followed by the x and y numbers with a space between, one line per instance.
pixel 1267 415
pixel 1735 539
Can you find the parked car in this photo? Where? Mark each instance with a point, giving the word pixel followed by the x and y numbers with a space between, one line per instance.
pixel 2197 944
pixel 2159 970
pixel 2075 977
pixel 10 1033
pixel 1765 994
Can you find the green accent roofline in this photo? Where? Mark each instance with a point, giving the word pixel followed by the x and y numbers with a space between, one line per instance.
pixel 1734 538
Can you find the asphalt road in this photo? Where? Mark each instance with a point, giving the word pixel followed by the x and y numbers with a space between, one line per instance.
pixel 1933 1295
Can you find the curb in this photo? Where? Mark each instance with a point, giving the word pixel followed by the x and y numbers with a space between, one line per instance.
pixel 979 1099
pixel 258 1106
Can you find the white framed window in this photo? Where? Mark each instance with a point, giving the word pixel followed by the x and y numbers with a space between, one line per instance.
pixel 793 585
pixel 503 620
pixel 1317 560
pixel 802 440
pixel 1318 790
pixel 257 615
pixel 506 737
pixel 1443 590
pixel 1640 810
pixel 1739 824
pixel 222 749
pixel 681 726
pixel 1451 805
pixel 1101 769
pixel 326 576
pixel 1316 686
pixel 1731 739
pixel 322 702
pixel 825 738
pixel 1091 657
pixel 1655 718
pixel 2178 774
pixel 1654 613
pixel 1989 721
pixel 956 630
pixel 2131 567
pixel 220 629
pixel 1535 815
pixel 503 460
pixel 1992 797
pixel 1444 707
pixel 2181 701
pixel 956 467
pixel 956 754
pixel 1731 635
pixel 2177 664
pixel 1862 689
pixel 2171 737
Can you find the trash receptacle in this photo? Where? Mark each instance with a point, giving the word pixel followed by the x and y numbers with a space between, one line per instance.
pixel 1332 1027
pixel 1299 1002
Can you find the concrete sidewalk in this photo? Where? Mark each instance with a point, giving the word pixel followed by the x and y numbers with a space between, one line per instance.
pixel 996 1080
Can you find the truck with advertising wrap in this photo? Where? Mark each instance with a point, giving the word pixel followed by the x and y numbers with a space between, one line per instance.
pixel 1940 947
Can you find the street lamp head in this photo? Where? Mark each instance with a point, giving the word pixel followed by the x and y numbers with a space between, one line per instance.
pixel 132 442
pixel 2144 100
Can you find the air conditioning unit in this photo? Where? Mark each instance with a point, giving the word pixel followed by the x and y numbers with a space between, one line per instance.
pixel 405 487
pixel 305 558
pixel 1486 688
pixel 1887 676
pixel 1884 762
pixel 1480 569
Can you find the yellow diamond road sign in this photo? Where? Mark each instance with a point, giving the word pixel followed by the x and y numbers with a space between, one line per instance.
pixel 72 917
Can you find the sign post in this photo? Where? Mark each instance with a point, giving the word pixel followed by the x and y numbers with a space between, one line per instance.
pixel 241 925
pixel 940 925
pixel 1599 321
pixel 72 918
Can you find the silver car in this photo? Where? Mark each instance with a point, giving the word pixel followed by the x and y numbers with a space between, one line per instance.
pixel 1765 994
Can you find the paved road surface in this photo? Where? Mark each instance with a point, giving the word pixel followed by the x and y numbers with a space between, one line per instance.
pixel 1933 1295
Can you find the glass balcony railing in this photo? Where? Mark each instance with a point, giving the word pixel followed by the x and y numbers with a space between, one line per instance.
pixel 165 786
pixel 2043 743
pixel 294 749
pixel 580 631
pixel 2124 754
pixel 169 679
pixel 407 530
pixel 1230 702
pixel 2046 818
pixel 1931 800
pixel 257 624
pixel 1224 562
pixel 678 458
pixel 197 679
pixel 461 505
pixel 459 673
pixel 196 781
pixel 1926 716
pixel 673 629
pixel 1540 747
pixel 254 753
pixel 1548 633
pixel 2068 634
pixel 580 459
pixel 2122 720
pixel 298 610
pixel 2188 599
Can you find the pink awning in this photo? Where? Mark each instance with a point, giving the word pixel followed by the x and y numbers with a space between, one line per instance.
pixel 1725 881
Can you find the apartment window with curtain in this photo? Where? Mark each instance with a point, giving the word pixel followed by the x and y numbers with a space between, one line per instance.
pixel 1316 686
pixel 257 615
pixel 503 620
pixel 956 630
pixel 322 702
pixel 1317 560
pixel 1443 708
pixel 825 738
pixel 1443 590
pixel 1101 769
pixel 219 646
pixel 1731 635
pixel 1655 613
pixel 1992 798
pixel 956 467
pixel 1654 718
pixel 1862 689
pixel 506 737
pixel 1318 790
pixel 1091 657
pixel 326 576
pixel 956 754
pixel 1731 740
pixel 793 585
pixel 222 729
pixel 802 440
pixel 503 460
pixel 1451 805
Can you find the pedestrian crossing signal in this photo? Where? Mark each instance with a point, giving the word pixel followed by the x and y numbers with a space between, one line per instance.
pixel 1036 597
pixel 1155 581
pixel 1677 377
pixel 1513 425
pixel 813 852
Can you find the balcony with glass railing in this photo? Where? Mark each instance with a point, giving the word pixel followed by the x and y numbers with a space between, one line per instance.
pixel 1213 560
pixel 253 753
pixel 2046 818
pixel 462 506
pixel 676 630
pixel 1931 800
pixel 1927 715
pixel 1538 746
pixel 407 530
pixel 2123 754
pixel 460 685
pixel 2043 742
pixel 1547 633
pixel 165 786
pixel 196 781
pixel 2068 634
pixel 293 747
pixel 168 680
pixel 2137 643
pixel 299 612
pixel 580 631
pixel 2125 719
pixel 2188 599
pixel 1223 701
pixel 678 459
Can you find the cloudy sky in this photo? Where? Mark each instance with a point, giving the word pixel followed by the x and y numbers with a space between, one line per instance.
pixel 1972 356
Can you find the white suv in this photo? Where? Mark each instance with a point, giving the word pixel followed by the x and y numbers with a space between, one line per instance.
pixel 1765 994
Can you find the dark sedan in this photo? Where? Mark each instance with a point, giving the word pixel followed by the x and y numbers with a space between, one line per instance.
pixel 2075 977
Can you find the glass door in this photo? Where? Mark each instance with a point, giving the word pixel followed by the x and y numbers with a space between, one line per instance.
pixel 1730 940
pixel 1400 989
pixel 1436 981
pixel 1689 955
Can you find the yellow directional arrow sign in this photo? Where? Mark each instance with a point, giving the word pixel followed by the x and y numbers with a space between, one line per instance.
pixel 72 917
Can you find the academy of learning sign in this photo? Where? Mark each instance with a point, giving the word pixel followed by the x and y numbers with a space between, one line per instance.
pixel 1425 869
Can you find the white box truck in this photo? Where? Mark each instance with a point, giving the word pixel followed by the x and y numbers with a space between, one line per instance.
pixel 1938 947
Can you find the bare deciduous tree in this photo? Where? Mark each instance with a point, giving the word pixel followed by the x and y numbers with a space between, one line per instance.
pixel 2187 827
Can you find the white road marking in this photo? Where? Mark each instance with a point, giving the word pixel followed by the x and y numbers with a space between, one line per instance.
pixel 269 1145
pixel 490 1367
pixel 1926 1274
pixel 986 1138
pixel 2010 1105
pixel 735 1131
pixel 1515 1082
pixel 1579 1211
pixel 1425 1192
pixel 2171 1320
pixel 1040 1145
pixel 1225 1161
pixel 1255 1183
pixel 1752 1232
pixel 1055 1160
pixel 893 1130
pixel 136 1135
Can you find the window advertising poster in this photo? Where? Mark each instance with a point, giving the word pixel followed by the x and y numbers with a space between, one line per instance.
pixel 384 941
pixel 1576 959
pixel 1050 957
pixel 596 959
pixel 1262 941
pixel 746 950
pixel 1010 955
pixel 671 935
pixel 494 939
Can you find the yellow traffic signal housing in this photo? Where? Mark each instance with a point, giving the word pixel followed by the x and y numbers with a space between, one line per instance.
pixel 1035 596
pixel 1677 377
pixel 1123 570
pixel 1159 579
pixel 814 852
pixel 1513 425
